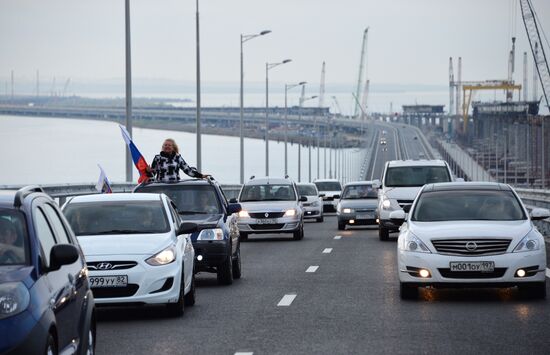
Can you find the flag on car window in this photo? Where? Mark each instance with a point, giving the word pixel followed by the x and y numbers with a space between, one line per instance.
pixel 139 160
pixel 103 186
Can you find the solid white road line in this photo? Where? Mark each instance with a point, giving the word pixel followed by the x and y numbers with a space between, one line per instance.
pixel 286 300
pixel 327 250
pixel 312 268
pixel 548 272
pixel 244 353
pixel 337 237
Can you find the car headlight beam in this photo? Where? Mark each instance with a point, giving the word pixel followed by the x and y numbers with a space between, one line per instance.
pixel 347 210
pixel 243 214
pixel 290 213
pixel 163 257
pixel 386 204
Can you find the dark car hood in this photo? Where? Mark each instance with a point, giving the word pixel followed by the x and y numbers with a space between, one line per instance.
pixel 202 220
pixel 15 273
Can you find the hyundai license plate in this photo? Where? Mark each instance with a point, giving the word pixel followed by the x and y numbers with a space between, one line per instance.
pixel 482 266
pixel 266 221
pixel 109 281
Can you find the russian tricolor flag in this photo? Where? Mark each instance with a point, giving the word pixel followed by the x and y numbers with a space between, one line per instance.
pixel 139 160
pixel 103 186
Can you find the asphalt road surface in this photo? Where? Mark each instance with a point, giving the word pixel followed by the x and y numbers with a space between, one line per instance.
pixel 347 304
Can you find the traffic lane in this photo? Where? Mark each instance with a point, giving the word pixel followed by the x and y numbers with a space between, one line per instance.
pixel 352 304
pixel 223 315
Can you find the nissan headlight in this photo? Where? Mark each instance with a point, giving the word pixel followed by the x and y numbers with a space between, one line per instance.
pixel 14 299
pixel 211 234
pixel 530 242
pixel 164 257
pixel 290 213
pixel 243 214
pixel 413 244
pixel 386 204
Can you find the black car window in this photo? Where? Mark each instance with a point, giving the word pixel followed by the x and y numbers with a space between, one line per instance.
pixel 189 198
pixel 57 224
pixel 14 238
pixel 307 190
pixel 328 185
pixel 44 234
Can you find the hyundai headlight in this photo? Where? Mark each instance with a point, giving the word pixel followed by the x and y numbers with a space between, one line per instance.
pixel 413 244
pixel 164 257
pixel 290 213
pixel 244 214
pixel 14 299
pixel 530 242
pixel 211 234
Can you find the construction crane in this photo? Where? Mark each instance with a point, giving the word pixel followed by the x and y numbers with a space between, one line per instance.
pixel 532 28
pixel 66 86
pixel 361 68
pixel 322 88
pixel 337 105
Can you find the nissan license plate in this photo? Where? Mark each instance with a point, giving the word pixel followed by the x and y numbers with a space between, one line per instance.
pixel 108 281
pixel 482 266
pixel 266 221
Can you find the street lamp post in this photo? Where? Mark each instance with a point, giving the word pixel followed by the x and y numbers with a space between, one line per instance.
pixel 288 87
pixel 199 152
pixel 269 66
pixel 128 90
pixel 244 38
pixel 302 100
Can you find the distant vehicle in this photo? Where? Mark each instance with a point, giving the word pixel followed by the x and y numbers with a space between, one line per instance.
pixel 216 243
pixel 271 205
pixel 313 207
pixel 415 138
pixel 384 132
pixel 357 204
pixel 46 305
pixel 470 235
pixel 332 189
pixel 421 155
pixel 137 250
pixel 383 141
pixel 401 181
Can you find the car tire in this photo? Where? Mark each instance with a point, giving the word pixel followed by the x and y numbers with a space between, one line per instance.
pixel 533 291
pixel 51 347
pixel 408 292
pixel 341 226
pixel 89 335
pixel 383 233
pixel 176 309
pixel 243 236
pixel 237 264
pixel 189 298
pixel 299 234
pixel 225 271
pixel 321 219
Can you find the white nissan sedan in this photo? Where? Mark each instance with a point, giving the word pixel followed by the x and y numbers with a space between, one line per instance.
pixel 137 250
pixel 470 234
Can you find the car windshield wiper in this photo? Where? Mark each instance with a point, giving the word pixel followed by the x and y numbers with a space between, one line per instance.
pixel 192 212
pixel 121 231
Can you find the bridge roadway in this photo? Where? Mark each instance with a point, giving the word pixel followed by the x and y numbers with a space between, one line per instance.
pixel 348 302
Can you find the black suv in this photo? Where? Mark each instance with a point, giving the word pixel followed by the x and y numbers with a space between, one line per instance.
pixel 46 305
pixel 216 243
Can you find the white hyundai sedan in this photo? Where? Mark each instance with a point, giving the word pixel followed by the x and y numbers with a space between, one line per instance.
pixel 470 235
pixel 137 250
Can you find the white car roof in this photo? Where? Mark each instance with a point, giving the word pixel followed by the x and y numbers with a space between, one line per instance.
pixel 326 180
pixel 420 162
pixel 360 183
pixel 269 180
pixel 117 197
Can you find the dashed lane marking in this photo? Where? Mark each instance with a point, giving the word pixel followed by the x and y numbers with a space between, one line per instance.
pixel 337 237
pixel 327 251
pixel 312 268
pixel 244 353
pixel 286 300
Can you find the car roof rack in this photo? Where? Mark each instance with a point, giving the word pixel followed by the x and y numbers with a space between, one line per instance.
pixel 252 177
pixel 23 192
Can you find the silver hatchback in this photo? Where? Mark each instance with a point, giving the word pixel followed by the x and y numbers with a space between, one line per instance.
pixel 270 205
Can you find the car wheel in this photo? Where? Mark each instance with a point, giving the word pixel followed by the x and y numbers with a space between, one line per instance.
pixel 341 226
pixel 321 219
pixel 237 264
pixel 225 271
pixel 408 292
pixel 176 309
pixel 383 233
pixel 189 298
pixel 90 342
pixel 51 348
pixel 533 291
pixel 299 234
pixel 243 236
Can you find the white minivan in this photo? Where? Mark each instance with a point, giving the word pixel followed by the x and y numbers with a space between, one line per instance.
pixel 401 181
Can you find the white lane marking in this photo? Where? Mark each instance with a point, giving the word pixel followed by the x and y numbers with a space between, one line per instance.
pixel 327 251
pixel 337 237
pixel 548 272
pixel 312 268
pixel 244 353
pixel 286 300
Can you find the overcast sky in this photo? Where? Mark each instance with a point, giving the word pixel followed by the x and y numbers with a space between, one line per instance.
pixel 410 41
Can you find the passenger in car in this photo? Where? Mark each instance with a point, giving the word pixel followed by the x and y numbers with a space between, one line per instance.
pixel 167 164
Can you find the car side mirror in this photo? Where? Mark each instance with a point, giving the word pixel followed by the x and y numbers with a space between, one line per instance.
pixel 397 217
pixel 233 200
pixel 407 208
pixel 322 195
pixel 62 254
pixel 233 208
pixel 303 198
pixel 336 196
pixel 187 227
pixel 376 183
pixel 539 213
